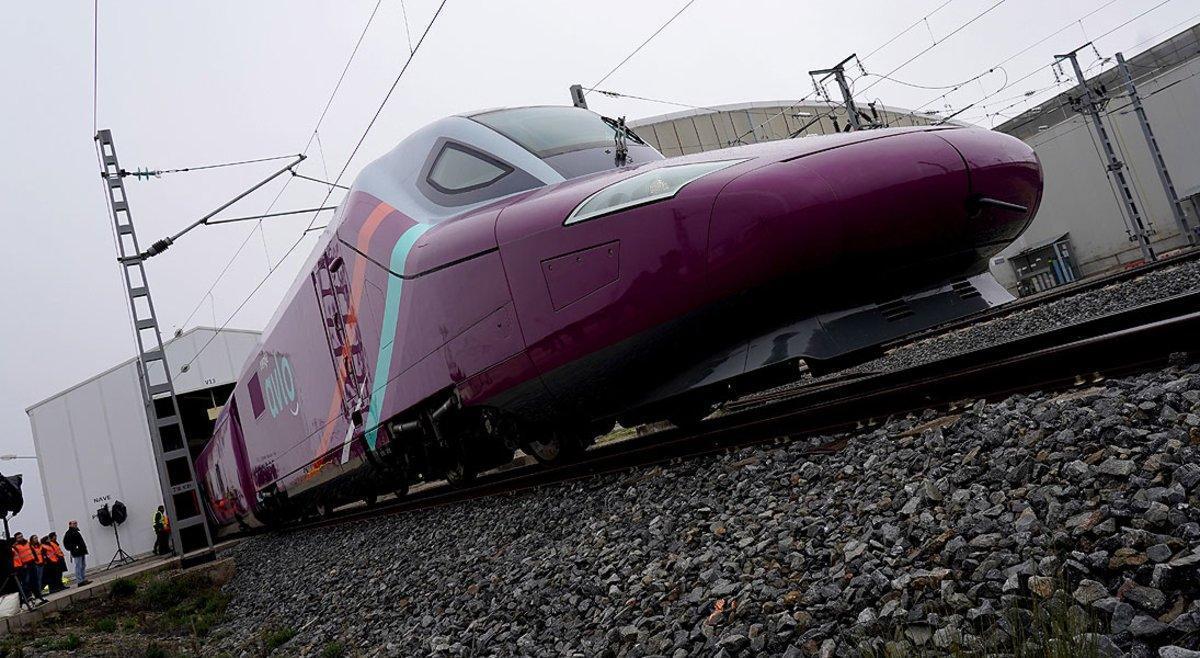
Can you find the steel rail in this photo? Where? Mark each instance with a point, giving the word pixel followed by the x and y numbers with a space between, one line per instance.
pixel 785 391
pixel 1118 343
pixel 1053 294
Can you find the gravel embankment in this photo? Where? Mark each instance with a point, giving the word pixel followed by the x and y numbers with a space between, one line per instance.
pixel 1152 286
pixel 924 533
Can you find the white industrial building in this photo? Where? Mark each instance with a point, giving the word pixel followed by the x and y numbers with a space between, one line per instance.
pixel 717 127
pixel 1081 219
pixel 93 439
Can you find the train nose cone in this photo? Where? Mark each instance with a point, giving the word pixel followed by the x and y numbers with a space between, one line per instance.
pixel 860 210
pixel 1006 185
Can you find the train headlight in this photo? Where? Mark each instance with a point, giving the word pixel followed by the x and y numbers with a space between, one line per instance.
pixel 647 187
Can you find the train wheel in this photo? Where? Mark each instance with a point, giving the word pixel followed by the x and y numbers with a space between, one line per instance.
pixel 554 448
pixel 459 473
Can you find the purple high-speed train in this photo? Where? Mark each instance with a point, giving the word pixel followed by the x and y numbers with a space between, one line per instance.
pixel 522 278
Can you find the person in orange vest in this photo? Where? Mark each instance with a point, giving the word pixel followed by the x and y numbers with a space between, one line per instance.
pixel 57 563
pixel 33 583
pixel 22 561
pixel 162 532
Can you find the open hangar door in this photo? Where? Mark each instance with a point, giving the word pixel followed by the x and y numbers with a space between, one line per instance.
pixel 93 439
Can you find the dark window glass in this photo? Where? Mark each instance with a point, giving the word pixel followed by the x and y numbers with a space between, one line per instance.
pixel 459 170
pixel 548 131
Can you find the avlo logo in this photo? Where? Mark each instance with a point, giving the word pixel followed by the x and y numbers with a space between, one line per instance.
pixel 279 384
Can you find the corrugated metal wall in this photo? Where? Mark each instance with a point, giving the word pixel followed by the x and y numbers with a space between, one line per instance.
pixel 708 130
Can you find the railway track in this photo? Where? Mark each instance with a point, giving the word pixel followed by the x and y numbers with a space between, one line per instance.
pixel 995 313
pixel 1119 343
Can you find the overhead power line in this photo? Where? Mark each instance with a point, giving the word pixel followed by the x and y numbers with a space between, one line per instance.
pixel 337 86
pixel 908 29
pixel 937 43
pixel 312 136
pixel 318 180
pixel 617 94
pixel 643 44
pixel 1044 67
pixel 155 173
pixel 337 180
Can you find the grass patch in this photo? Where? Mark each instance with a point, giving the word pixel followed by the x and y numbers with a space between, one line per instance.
pixel 333 650
pixel 154 615
pixel 105 625
pixel 277 637
pixel 68 642
pixel 123 588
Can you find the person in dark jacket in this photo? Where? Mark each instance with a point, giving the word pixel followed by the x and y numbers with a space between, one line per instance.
pixel 73 542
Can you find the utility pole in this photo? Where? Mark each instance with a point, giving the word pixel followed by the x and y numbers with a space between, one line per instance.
pixel 1090 103
pixel 577 97
pixel 839 74
pixel 176 473
pixel 1160 164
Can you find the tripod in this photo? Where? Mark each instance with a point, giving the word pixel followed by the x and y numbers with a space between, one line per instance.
pixel 12 574
pixel 120 556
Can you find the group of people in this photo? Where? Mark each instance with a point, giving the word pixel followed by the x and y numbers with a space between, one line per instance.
pixel 40 563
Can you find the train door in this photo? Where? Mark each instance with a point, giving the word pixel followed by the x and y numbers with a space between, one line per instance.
pixel 331 282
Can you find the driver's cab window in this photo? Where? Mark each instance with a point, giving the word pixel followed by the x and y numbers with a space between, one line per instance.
pixel 459 170
pixel 457 175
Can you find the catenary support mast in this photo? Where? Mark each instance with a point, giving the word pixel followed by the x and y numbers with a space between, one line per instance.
pixel 1164 176
pixel 1089 103
pixel 839 74
pixel 176 473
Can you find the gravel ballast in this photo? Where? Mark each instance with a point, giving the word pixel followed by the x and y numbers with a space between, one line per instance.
pixel 919 537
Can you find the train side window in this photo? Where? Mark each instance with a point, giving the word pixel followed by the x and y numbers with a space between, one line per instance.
pixel 458 169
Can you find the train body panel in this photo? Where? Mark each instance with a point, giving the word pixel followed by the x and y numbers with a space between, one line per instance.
pixel 485 282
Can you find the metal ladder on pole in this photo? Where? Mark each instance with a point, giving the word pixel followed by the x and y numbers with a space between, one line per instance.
pixel 176 473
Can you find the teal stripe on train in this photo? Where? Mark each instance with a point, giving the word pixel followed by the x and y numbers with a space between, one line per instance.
pixel 387 335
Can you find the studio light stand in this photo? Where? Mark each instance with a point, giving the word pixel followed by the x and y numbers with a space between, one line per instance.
pixel 114 518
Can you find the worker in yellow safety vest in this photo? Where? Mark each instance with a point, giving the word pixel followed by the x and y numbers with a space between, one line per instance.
pixel 162 532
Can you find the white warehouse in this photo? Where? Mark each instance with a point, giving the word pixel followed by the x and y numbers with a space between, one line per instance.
pixel 93 439
pixel 1082 227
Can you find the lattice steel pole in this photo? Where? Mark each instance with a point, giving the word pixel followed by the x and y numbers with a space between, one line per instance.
pixel 1160 164
pixel 176 473
pixel 1114 165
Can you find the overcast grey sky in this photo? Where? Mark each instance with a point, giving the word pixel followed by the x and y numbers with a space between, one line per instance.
pixel 190 83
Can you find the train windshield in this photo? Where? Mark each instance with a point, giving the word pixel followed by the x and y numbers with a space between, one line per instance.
pixel 550 131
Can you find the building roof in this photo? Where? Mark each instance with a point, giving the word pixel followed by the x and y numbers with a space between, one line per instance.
pixel 1165 55
pixel 128 361
pixel 757 105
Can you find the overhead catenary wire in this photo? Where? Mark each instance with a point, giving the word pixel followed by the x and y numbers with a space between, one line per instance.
pixel 318 180
pixel 338 85
pixel 312 136
pixel 908 29
pixel 935 44
pixel 1045 67
pixel 350 159
pixel 617 94
pixel 144 173
pixel 1017 54
pixel 643 44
